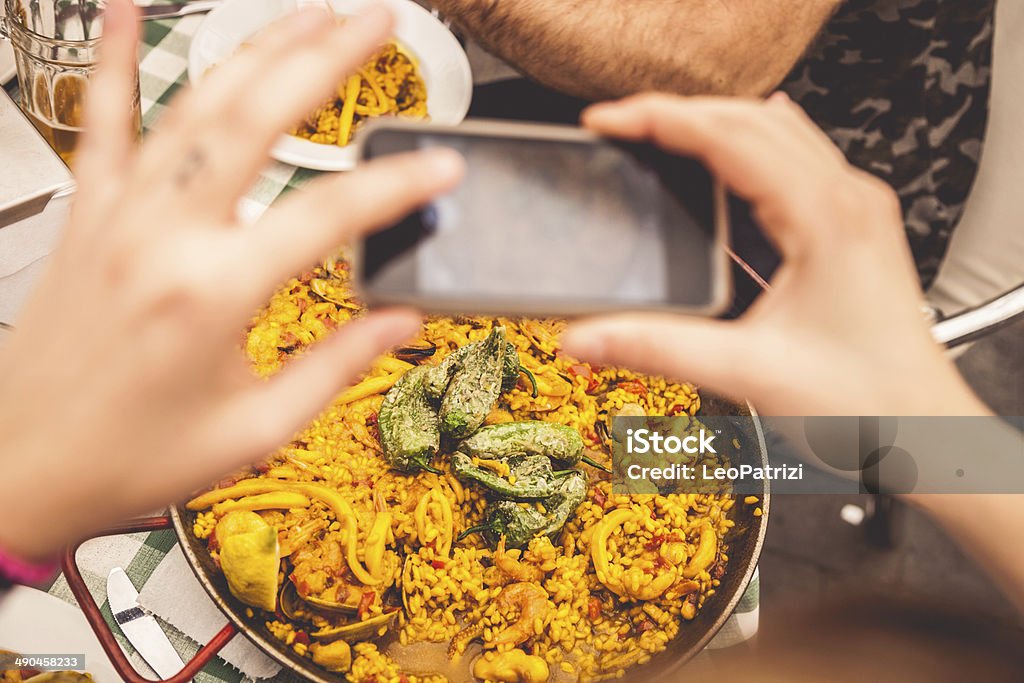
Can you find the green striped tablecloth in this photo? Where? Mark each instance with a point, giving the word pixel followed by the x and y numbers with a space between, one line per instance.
pixel 164 56
pixel 162 72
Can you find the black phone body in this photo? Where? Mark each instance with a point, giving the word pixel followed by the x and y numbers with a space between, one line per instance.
pixel 549 221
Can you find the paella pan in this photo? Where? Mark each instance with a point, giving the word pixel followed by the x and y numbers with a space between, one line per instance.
pixel 450 516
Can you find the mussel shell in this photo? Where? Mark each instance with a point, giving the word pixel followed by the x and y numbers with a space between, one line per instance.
pixel 291 603
pixel 333 607
pixel 319 287
pixel 357 630
pixel 335 266
pixel 406 579
pixel 415 354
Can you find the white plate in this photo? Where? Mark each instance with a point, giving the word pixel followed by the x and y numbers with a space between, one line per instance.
pixel 33 622
pixel 442 61
pixel 7 69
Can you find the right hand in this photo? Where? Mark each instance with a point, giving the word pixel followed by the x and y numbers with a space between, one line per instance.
pixel 841 332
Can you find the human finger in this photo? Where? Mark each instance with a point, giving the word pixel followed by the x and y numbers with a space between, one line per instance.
pixel 314 222
pixel 804 125
pixel 270 413
pixel 222 144
pixel 758 149
pixel 712 353
pixel 109 116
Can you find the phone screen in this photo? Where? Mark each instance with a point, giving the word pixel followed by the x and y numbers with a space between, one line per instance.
pixel 587 224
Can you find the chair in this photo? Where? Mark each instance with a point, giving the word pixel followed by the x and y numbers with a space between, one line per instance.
pixel 980 287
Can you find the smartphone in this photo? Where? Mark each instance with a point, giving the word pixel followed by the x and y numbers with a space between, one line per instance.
pixel 549 221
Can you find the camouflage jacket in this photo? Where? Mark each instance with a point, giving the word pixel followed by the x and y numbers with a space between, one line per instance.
pixel 902 87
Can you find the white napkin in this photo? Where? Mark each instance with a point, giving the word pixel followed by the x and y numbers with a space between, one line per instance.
pixel 23 248
pixel 175 595
pixel 32 238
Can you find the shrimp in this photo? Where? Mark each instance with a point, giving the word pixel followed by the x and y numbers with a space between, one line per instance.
pixel 514 568
pixel 532 601
pixel 316 568
pixel 361 434
pixel 299 535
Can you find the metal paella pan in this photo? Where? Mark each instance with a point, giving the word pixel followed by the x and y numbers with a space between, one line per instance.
pixel 447 517
pixel 743 544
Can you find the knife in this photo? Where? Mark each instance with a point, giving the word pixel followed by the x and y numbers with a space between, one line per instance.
pixel 139 626
pixel 177 9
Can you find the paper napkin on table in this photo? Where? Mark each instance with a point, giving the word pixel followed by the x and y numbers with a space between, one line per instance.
pixel 174 594
pixel 23 249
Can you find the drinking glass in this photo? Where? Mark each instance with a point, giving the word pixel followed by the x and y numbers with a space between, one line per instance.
pixel 55 47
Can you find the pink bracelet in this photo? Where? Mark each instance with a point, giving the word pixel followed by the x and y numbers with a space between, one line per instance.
pixel 14 570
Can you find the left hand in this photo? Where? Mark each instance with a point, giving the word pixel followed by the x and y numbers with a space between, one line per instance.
pixel 124 386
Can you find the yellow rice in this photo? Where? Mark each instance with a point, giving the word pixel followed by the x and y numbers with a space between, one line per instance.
pixel 586 631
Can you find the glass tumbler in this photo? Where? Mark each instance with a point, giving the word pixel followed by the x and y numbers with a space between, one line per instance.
pixel 55 48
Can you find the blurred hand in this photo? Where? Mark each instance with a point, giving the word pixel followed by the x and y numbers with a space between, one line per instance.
pixel 841 331
pixel 124 386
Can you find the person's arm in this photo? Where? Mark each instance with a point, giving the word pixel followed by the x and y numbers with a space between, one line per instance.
pixel 840 332
pixel 988 527
pixel 601 49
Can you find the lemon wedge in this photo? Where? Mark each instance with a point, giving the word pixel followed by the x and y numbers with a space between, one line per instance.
pixel 249 559
pixel 238 522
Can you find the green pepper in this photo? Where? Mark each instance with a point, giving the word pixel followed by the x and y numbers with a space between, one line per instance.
pixel 530 438
pixel 530 476
pixel 474 387
pixel 410 431
pixel 560 507
pixel 512 368
pixel 438 376
pixel 441 374
pixel 519 523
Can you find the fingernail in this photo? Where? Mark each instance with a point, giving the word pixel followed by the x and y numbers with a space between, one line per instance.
pixel 606 113
pixel 443 161
pixel 779 97
pixel 376 14
pixel 399 324
pixel 583 344
pixel 601 108
pixel 310 19
pixel 115 14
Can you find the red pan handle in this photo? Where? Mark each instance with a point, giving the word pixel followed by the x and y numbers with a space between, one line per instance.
pixel 99 625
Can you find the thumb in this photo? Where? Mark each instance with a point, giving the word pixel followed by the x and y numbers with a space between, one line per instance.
pixel 711 353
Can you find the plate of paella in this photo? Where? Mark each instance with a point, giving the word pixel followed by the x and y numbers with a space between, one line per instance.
pixel 421 74
pixel 450 517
